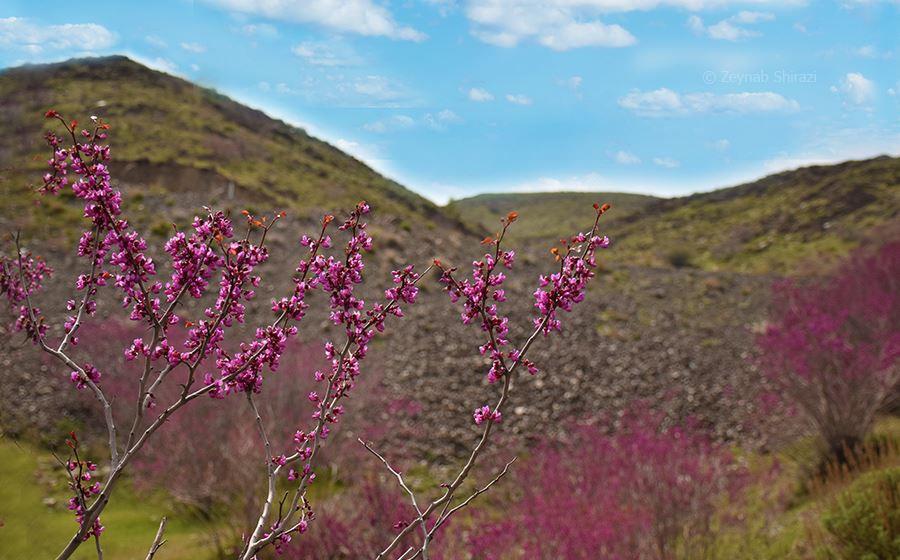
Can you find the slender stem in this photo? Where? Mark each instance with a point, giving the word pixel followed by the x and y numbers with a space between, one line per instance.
pixel 158 540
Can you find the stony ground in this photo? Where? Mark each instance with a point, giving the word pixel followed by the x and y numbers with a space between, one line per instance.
pixel 680 338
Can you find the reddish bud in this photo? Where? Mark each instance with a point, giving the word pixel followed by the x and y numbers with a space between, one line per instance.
pixel 51 114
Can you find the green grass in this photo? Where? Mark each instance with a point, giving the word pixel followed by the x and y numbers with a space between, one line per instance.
pixel 546 217
pixel 777 224
pixel 31 529
pixel 781 223
pixel 769 532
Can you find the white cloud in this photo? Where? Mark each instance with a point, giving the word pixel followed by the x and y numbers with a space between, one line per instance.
pixel 866 51
pixel 871 51
pixel 729 29
pixel 836 145
pixel 339 90
pixel 377 87
pixel 435 121
pixel 390 124
pixel 557 24
pixel 659 101
pixel 663 102
pixel 856 89
pixel 22 34
pixel 573 83
pixel 444 7
pixel 480 95
pixel 157 63
pixel 440 120
pixel 588 182
pixel 195 48
pixel 666 162
pixel 259 30
pixel 326 53
pixel 721 145
pixel 752 17
pixel 363 17
pixel 518 99
pixel 155 41
pixel 368 154
pixel 626 158
pixel 569 24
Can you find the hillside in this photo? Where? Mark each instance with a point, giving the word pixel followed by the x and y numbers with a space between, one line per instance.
pixel 544 216
pixel 774 225
pixel 179 146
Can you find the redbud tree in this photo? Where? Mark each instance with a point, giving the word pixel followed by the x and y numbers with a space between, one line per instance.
pixel 639 488
pixel 832 345
pixel 205 356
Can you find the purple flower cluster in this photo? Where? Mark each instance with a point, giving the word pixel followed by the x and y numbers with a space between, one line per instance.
pixel 480 296
pixel 485 413
pixel 194 260
pixel 481 293
pixel 565 288
pixel 19 278
pixel 338 278
pixel 83 487
pixel 91 374
pixel 110 241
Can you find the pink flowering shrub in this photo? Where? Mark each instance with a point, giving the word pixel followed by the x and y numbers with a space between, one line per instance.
pixel 644 490
pixel 831 349
pixel 177 356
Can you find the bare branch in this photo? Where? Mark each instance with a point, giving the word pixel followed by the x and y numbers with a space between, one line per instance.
pixel 474 495
pixel 158 540
pixel 412 496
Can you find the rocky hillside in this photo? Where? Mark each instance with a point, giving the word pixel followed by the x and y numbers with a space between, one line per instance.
pixel 177 146
pixel 775 224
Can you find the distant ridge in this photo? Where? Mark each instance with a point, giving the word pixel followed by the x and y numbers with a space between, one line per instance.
pixel 777 224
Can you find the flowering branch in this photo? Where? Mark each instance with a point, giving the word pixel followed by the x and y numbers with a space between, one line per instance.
pixel 196 256
pixel 215 366
pixel 559 291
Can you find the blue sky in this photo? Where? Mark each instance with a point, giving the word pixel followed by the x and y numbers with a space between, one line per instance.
pixel 457 97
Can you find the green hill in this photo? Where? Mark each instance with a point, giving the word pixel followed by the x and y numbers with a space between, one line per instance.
pixel 776 224
pixel 545 216
pixel 181 146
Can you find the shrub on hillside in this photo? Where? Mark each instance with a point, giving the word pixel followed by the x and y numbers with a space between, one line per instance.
pixel 646 489
pixel 680 258
pixel 832 347
pixel 864 521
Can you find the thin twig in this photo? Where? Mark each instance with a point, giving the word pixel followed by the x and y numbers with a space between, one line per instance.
pixel 158 540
